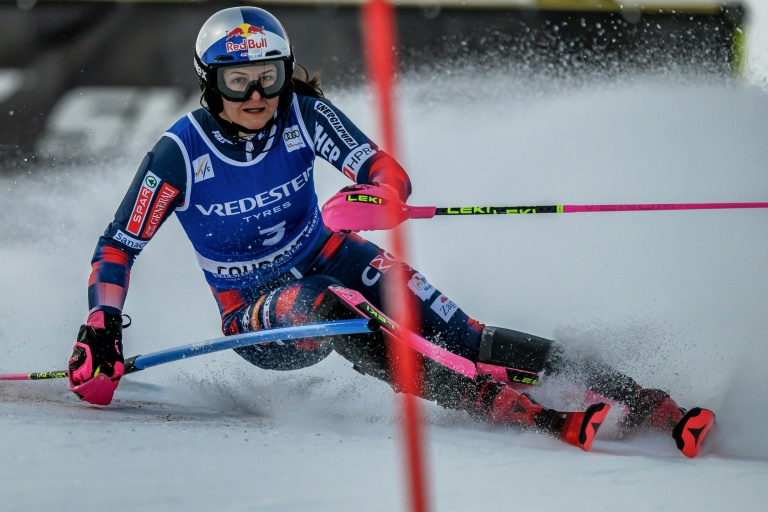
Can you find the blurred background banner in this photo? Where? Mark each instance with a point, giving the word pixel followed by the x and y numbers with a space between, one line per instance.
pixel 77 78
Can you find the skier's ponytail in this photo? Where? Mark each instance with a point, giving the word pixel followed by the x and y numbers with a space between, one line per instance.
pixel 307 85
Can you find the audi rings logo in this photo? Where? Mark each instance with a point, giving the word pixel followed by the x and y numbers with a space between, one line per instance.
pixel 292 138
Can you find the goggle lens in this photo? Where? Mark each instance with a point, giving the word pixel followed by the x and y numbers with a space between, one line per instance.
pixel 237 83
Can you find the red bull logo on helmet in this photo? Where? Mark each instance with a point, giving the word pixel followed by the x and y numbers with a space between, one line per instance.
pixel 246 37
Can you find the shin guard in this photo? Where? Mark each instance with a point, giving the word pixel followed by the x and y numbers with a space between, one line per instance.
pixel 512 357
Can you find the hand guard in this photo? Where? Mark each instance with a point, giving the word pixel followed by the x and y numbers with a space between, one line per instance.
pixel 366 207
pixel 96 364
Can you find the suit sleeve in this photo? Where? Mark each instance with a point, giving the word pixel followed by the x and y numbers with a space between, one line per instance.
pixel 342 144
pixel 157 189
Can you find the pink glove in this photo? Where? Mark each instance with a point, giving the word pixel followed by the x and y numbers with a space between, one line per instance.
pixel 367 207
pixel 96 365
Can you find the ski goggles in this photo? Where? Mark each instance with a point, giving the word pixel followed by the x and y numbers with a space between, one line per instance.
pixel 237 83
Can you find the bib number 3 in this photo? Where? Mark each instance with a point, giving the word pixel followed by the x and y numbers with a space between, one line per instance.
pixel 277 232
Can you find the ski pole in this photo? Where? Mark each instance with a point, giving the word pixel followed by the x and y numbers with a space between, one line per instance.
pixel 276 335
pixel 427 212
pixel 340 217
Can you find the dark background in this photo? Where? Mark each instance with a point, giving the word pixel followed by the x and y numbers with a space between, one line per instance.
pixel 60 46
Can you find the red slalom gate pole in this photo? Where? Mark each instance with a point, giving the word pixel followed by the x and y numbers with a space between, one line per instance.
pixel 380 43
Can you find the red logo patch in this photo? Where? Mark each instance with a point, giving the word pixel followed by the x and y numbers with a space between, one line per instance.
pixel 164 198
pixel 381 264
pixel 141 207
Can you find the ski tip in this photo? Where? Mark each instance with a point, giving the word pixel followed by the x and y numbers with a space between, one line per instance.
pixel 594 417
pixel 691 431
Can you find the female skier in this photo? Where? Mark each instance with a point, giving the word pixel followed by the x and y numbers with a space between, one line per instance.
pixel 239 174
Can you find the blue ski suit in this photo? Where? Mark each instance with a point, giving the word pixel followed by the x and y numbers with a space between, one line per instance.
pixel 254 223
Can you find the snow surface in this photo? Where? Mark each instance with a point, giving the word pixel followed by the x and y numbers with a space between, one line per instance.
pixel 676 299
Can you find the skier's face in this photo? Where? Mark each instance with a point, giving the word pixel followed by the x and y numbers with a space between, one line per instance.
pixel 256 111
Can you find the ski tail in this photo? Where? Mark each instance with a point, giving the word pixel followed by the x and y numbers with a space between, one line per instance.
pixel 587 424
pixel 691 432
pixel 575 428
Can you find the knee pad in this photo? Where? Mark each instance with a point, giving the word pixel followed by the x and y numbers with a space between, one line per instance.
pixel 291 304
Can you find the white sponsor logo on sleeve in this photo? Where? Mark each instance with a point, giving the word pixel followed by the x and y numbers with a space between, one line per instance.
pixel 420 287
pixel 129 241
pixel 336 124
pixel 444 307
pixel 355 159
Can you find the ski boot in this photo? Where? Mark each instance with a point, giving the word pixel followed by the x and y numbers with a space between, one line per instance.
pixel 654 410
pixel 502 405
pixel 691 431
